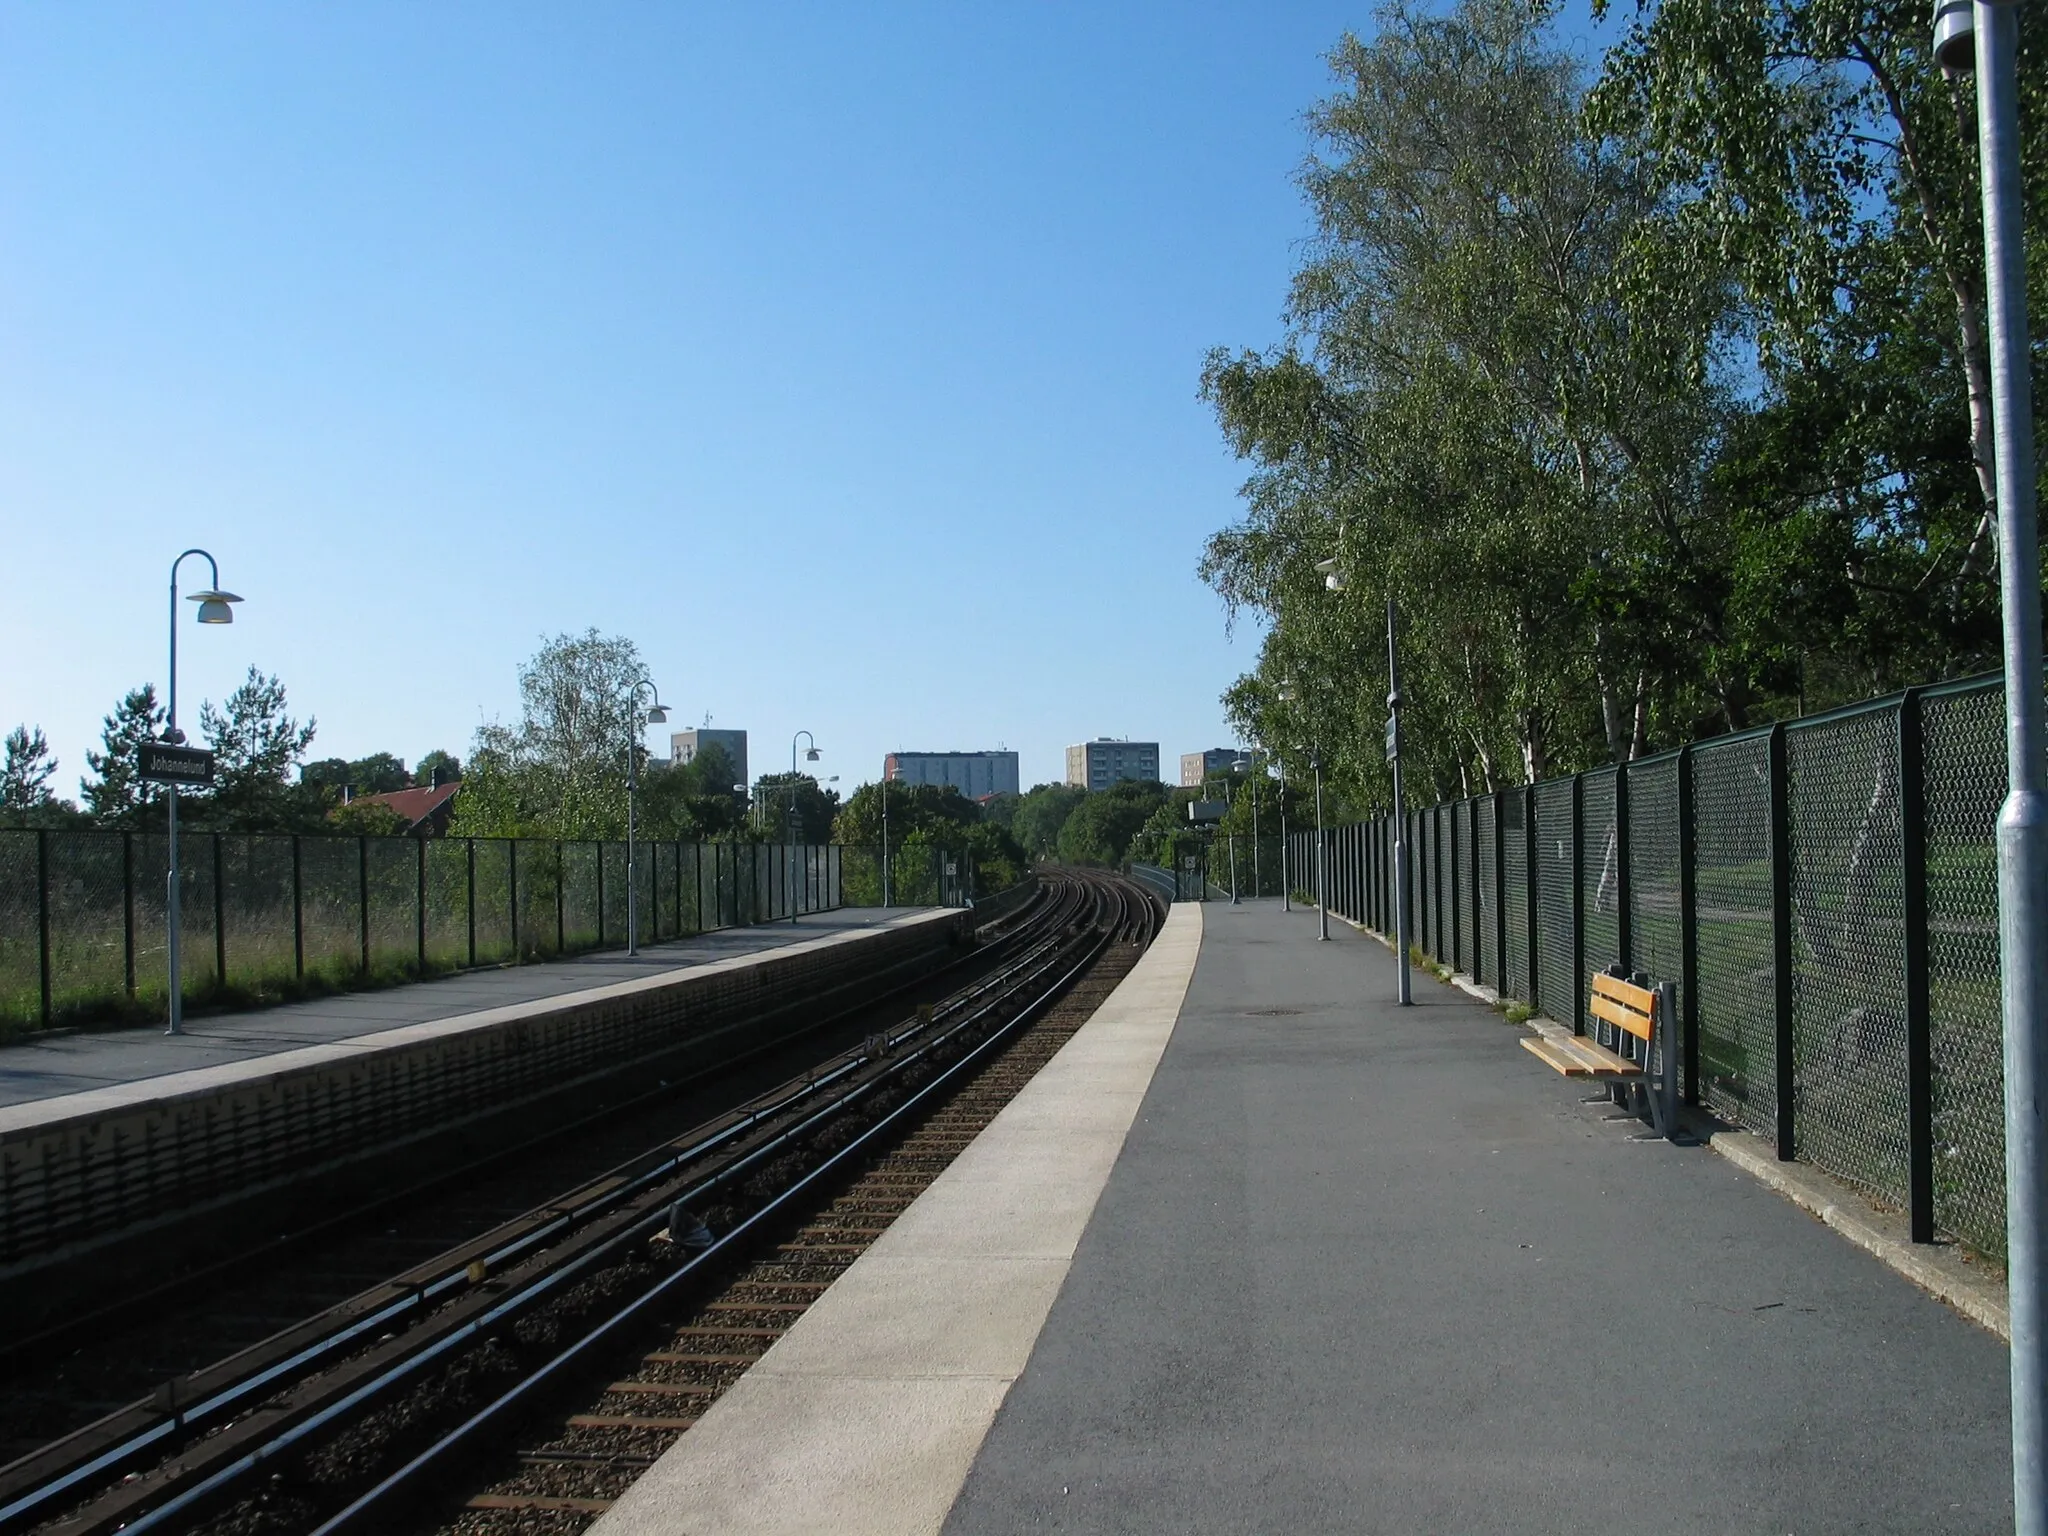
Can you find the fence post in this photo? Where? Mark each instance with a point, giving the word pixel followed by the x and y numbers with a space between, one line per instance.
pixel 1457 917
pixel 220 918
pixel 679 890
pixel 298 910
pixel 512 893
pixel 1919 1031
pixel 470 860
pixel 1688 930
pixel 561 901
pixel 1781 939
pixel 128 913
pixel 363 893
pixel 1624 905
pixel 43 915
pixel 1472 858
pixel 1500 893
pixel 600 893
pixel 1532 885
pixel 420 910
pixel 1581 982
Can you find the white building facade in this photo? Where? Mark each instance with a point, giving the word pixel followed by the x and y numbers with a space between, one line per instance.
pixel 1100 763
pixel 974 774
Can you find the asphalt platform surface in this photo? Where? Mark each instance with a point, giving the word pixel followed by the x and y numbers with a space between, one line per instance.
pixel 68 1062
pixel 1362 1268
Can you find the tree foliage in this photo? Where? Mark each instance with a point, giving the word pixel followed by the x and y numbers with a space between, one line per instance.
pixel 25 774
pixel 1650 404
pixel 257 748
pixel 115 795
pixel 561 771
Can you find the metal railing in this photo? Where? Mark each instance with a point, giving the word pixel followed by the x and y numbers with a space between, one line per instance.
pixel 267 916
pixel 1823 891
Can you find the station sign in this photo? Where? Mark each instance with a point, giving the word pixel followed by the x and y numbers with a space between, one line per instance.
pixel 1393 737
pixel 165 764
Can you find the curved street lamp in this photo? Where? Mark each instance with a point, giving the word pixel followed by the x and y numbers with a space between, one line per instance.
pixel 811 755
pixel 1288 693
pixel 215 607
pixel 656 715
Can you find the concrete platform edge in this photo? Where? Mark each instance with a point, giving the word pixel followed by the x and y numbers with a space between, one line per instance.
pixel 1938 1270
pixel 867 1416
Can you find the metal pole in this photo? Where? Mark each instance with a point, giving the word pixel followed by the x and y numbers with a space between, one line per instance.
pixel 1233 869
pixel 1322 888
pixel 1286 898
pixel 1405 992
pixel 172 916
pixel 885 837
pixel 1258 887
pixel 632 885
pixel 2023 820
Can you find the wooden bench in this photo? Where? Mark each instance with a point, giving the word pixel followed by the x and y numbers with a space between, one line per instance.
pixel 1646 1082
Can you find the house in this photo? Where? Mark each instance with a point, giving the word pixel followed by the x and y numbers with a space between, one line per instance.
pixel 426 809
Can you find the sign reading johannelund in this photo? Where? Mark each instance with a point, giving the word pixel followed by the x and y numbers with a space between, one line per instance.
pixel 162 764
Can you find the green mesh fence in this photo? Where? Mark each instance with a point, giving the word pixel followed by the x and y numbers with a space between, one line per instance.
pixel 83 928
pixel 1531 891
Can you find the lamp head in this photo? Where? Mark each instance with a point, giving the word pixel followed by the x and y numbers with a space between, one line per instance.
pixel 214 606
pixel 1955 35
pixel 657 716
pixel 812 754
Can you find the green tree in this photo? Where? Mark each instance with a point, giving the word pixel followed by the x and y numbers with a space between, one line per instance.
pixel 561 772
pixel 25 775
pixel 257 748
pixel 1815 154
pixel 371 818
pixel 378 774
pixel 115 794
pixel 1468 415
pixel 1102 826
pixel 776 794
pixel 446 764
pixel 1039 815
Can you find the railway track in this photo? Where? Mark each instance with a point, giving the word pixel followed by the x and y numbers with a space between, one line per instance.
pixel 357 1413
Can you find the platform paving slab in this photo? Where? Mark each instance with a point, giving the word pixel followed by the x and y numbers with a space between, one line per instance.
pixel 863 1419
pixel 76 1062
pixel 1363 1268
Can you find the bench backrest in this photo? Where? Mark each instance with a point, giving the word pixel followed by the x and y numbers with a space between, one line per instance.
pixel 1625 1005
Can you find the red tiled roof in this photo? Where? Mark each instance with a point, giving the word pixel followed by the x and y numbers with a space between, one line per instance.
pixel 415 805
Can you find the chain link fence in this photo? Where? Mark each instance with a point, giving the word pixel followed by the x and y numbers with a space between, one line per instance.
pixel 1824 894
pixel 269 916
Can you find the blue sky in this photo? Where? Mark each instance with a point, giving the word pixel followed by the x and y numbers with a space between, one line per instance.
pixel 845 358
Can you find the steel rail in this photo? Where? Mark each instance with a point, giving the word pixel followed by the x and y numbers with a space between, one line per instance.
pixel 1037 958
pixel 376 1501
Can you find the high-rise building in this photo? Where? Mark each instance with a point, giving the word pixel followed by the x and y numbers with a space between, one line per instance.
pixel 1100 763
pixel 974 774
pixel 1196 768
pixel 685 745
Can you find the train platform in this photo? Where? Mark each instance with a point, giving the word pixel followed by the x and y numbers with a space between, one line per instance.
pixel 68 1062
pixel 1261 1251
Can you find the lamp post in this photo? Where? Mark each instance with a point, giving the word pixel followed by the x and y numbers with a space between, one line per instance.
pixel 811 755
pixel 655 715
pixel 1985 37
pixel 885 834
pixel 1405 993
pixel 215 607
pixel 1288 693
pixel 1251 765
pixel 1286 897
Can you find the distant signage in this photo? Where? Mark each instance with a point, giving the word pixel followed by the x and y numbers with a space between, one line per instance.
pixel 1393 737
pixel 163 764
pixel 1207 811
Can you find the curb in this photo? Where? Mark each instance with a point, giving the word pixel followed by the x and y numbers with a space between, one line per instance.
pixel 1936 1269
